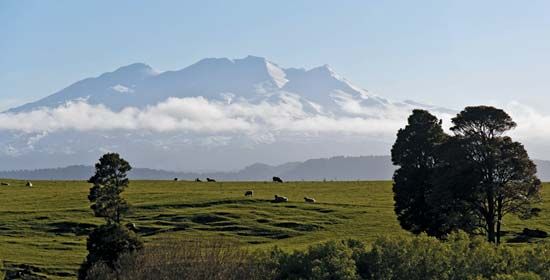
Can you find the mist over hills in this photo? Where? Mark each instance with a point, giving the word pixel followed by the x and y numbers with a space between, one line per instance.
pixel 335 168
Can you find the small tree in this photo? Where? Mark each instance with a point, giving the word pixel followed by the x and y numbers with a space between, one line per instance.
pixel 109 181
pixel 108 242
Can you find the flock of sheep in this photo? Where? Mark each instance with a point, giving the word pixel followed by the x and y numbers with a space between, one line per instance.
pixel 250 193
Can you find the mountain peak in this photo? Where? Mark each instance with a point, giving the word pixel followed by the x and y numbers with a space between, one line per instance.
pixel 136 68
pixel 254 58
pixel 325 70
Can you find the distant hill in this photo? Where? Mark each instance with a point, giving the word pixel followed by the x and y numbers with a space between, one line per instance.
pixel 336 168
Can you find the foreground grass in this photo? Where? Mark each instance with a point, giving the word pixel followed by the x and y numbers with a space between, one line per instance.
pixel 46 226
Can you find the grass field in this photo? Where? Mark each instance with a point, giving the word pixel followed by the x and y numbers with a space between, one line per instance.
pixel 46 226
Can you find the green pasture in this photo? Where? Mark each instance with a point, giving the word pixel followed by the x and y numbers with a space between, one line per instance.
pixel 44 228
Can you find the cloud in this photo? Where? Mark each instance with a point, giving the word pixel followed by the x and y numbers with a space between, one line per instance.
pixel 260 122
pixel 532 124
pixel 196 114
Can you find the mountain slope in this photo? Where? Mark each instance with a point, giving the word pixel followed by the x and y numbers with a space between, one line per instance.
pixel 114 89
pixel 252 78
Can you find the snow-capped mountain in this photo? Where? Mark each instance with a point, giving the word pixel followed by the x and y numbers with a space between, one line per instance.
pixel 218 113
pixel 252 78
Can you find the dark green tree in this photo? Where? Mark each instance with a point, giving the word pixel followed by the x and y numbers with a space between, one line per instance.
pixel 106 244
pixel 487 172
pixel 109 182
pixel 414 152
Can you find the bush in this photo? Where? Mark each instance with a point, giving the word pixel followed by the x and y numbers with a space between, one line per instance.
pixel 538 260
pixel 331 260
pixel 460 257
pixel 106 244
pixel 191 260
pixel 409 258
pixel 2 272
pixel 517 276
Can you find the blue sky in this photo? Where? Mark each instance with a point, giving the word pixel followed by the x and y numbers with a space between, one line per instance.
pixel 449 53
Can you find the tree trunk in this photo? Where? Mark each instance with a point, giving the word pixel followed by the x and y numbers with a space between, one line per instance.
pixel 491 213
pixel 491 229
pixel 499 219
pixel 498 231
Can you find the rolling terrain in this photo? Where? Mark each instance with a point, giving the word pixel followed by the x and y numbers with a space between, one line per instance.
pixel 43 229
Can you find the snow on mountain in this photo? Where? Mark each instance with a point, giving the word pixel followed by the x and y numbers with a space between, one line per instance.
pixel 104 89
pixel 252 78
pixel 217 113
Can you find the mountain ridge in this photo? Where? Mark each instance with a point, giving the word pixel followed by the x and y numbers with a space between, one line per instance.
pixel 334 168
pixel 138 85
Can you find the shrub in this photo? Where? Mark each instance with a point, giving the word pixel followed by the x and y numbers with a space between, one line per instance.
pixel 409 258
pixel 459 257
pixel 330 260
pixel 106 244
pixel 517 276
pixel 192 260
pixel 538 260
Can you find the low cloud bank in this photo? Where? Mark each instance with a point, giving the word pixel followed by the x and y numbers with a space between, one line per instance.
pixel 199 115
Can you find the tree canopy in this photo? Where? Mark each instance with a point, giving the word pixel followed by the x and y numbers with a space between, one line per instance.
pixel 471 179
pixel 414 152
pixel 109 181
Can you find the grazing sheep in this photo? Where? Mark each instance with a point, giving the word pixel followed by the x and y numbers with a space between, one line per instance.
pixel 4 184
pixel 277 180
pixel 279 199
pixel 176 179
pixel 198 180
pixel 29 184
pixel 249 193
pixel 210 180
pixel 309 199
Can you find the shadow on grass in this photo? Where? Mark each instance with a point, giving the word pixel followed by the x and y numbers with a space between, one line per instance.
pixel 75 228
